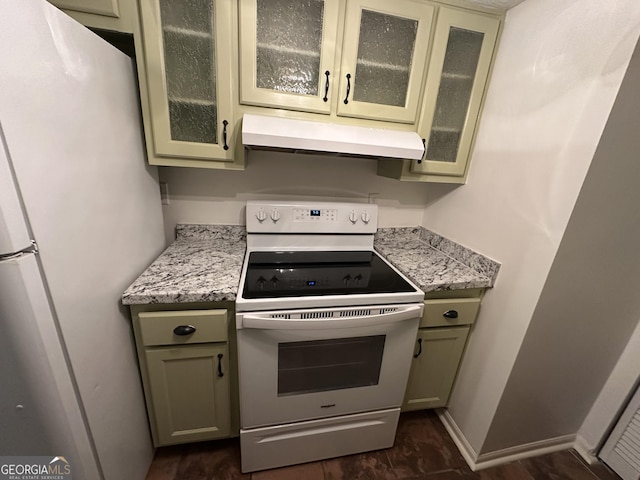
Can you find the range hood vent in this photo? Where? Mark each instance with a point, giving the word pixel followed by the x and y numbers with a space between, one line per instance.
pixel 275 133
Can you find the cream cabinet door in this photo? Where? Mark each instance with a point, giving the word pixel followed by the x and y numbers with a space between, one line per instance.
pixel 383 59
pixel 189 387
pixel 187 70
pixel 287 52
pixel 458 71
pixel 437 355
pixel 112 15
pixel 100 7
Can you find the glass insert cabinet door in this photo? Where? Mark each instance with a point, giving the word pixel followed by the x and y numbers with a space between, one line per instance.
pixel 187 58
pixel 384 57
pixel 456 80
pixel 287 51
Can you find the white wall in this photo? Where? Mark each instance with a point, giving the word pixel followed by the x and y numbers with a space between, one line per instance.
pixel 589 306
pixel 219 197
pixel 558 69
pixel 623 124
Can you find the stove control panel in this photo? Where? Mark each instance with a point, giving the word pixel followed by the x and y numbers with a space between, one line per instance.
pixel 315 215
pixel 311 217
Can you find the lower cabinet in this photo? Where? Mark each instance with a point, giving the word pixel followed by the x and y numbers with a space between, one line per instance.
pixel 434 367
pixel 439 347
pixel 187 356
pixel 190 392
pixel 187 373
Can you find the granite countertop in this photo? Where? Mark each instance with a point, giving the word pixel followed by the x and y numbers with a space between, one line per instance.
pixel 202 265
pixel 205 262
pixel 433 262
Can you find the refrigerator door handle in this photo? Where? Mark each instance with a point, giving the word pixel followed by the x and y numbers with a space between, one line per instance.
pixel 33 248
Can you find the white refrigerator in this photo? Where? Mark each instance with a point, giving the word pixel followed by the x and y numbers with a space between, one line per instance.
pixel 73 179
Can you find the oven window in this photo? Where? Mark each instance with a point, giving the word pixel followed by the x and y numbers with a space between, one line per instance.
pixel 323 365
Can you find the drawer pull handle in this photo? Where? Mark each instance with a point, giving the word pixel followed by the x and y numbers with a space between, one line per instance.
pixel 450 314
pixel 220 374
pixel 416 355
pixel 346 99
pixel 224 135
pixel 326 87
pixel 183 330
pixel 424 150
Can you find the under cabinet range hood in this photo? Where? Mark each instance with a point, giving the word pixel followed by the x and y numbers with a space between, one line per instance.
pixel 261 131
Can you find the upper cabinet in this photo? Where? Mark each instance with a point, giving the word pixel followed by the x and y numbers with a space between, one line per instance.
pixel 458 72
pixel 383 59
pixel 412 65
pixel 186 83
pixel 104 14
pixel 365 60
pixel 287 53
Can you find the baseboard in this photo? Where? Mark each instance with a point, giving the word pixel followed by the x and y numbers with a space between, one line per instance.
pixel 499 457
pixel 466 450
pixel 586 451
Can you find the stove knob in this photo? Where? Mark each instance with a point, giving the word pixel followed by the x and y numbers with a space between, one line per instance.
pixel 261 215
pixel 357 279
pixel 274 281
pixel 261 281
pixel 353 217
pixel 366 216
pixel 346 279
pixel 275 214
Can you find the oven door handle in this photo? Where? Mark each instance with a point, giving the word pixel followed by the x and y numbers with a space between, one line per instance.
pixel 391 314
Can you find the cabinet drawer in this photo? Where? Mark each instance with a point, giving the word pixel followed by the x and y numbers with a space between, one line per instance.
pixel 157 328
pixel 461 311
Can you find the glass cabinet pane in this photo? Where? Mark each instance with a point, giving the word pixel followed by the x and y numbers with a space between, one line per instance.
pixel 385 54
pixel 190 69
pixel 454 94
pixel 324 365
pixel 289 37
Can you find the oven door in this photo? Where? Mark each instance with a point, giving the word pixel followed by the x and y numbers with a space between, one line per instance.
pixel 299 365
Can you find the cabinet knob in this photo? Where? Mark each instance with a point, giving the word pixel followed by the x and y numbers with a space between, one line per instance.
pixel 183 330
pixel 450 314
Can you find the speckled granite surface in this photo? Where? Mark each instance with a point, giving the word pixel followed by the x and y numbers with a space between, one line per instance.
pixel 202 265
pixel 205 262
pixel 433 262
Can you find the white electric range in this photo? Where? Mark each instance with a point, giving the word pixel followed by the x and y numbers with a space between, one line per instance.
pixel 325 334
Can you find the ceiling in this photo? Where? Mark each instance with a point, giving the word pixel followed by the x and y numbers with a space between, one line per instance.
pixel 497 4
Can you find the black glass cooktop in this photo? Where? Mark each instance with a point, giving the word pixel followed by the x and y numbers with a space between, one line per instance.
pixel 299 274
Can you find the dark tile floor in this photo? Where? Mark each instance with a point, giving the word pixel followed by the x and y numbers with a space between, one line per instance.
pixel 423 450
